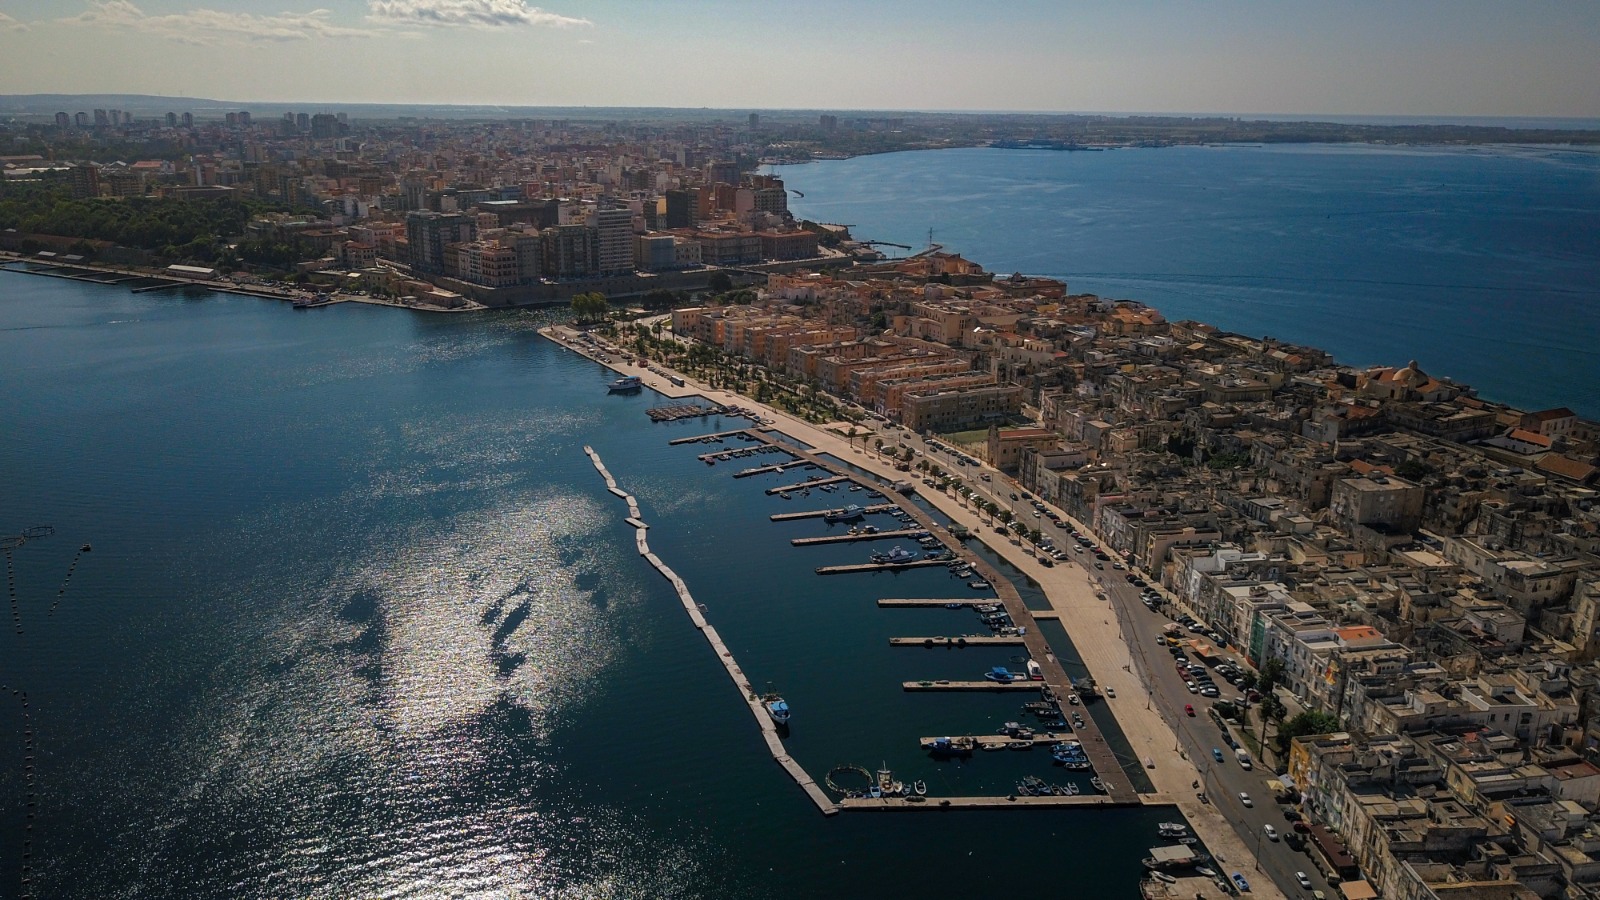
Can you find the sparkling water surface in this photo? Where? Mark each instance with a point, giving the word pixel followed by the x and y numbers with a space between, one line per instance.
pixel 360 620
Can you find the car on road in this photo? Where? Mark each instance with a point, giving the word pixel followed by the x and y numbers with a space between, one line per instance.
pixel 1270 832
pixel 1216 754
pixel 1245 799
pixel 1013 495
pixel 1188 709
pixel 1302 880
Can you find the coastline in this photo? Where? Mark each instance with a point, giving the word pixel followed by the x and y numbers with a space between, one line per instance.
pixel 1095 629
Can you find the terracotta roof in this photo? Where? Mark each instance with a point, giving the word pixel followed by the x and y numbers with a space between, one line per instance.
pixel 1566 467
pixel 1550 415
pixel 1529 437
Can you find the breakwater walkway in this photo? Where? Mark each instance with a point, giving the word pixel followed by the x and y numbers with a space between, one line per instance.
pixel 769 730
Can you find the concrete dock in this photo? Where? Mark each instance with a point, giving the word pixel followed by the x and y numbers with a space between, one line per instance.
pixel 705 437
pixel 946 685
pixel 938 601
pixel 777 467
pixel 901 804
pixel 976 640
pixel 880 567
pixel 819 513
pixel 804 485
pixel 852 538
pixel 999 741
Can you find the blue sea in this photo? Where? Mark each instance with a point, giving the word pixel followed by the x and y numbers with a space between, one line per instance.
pixel 359 619
pixel 1481 263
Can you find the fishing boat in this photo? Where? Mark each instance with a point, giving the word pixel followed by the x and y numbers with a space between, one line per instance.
pixel 1000 675
pixel 848 514
pixel 949 748
pixel 978 585
pixel 896 554
pixel 886 785
pixel 627 384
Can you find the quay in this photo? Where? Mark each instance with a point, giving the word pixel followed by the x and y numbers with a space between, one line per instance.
pixel 1022 684
pixel 769 730
pixel 819 513
pixel 806 485
pixel 852 538
pixel 880 567
pixel 975 640
pixel 704 437
pixel 858 804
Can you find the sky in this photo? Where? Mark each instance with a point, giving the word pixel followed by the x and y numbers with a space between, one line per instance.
pixel 1345 57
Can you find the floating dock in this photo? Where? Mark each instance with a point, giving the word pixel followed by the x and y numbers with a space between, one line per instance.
pixel 805 485
pixel 975 640
pixel 858 536
pixel 769 730
pixel 1022 684
pixel 778 467
pixel 819 513
pixel 939 601
pixel 880 567
pixel 858 804
pixel 706 437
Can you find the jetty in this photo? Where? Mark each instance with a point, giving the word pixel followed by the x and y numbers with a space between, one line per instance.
pixel 1021 684
pixel 999 741
pixel 938 601
pixel 807 485
pixel 1010 801
pixel 819 513
pixel 880 567
pixel 852 538
pixel 705 438
pixel 764 470
pixel 972 640
pixel 769 730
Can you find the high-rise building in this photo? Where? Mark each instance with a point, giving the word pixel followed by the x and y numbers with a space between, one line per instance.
pixel 829 123
pixel 429 232
pixel 681 212
pixel 63 120
pixel 755 120
pixel 114 117
pixel 723 173
pixel 188 120
pixel 324 126
pixel 101 120
pixel 85 181
pixel 81 119
pixel 244 117
pixel 569 251
pixel 614 240
pixel 302 122
pixel 172 120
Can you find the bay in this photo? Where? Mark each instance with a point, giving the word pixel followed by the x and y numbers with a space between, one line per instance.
pixel 360 619
pixel 1481 263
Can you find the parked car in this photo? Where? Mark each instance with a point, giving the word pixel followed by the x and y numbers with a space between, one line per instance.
pixel 1111 693
pixel 1238 880
pixel 1193 688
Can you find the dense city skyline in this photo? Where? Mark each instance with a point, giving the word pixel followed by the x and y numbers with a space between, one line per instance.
pixel 1425 59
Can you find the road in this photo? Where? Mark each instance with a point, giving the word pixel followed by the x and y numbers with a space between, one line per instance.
pixel 1198 734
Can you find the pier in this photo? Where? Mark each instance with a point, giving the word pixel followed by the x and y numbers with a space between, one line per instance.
pixel 769 730
pixel 880 567
pixel 1022 684
pixel 819 513
pixel 807 485
pixel 999 741
pixel 708 438
pixel 972 640
pixel 858 536
pixel 777 467
pixel 938 601
pixel 857 804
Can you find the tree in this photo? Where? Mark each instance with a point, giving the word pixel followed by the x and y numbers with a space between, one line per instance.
pixel 658 298
pixel 1307 723
pixel 590 307
pixel 720 282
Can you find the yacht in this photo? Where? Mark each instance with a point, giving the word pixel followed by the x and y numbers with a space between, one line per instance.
pixel 627 384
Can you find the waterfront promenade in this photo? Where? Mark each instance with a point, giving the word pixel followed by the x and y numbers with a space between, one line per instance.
pixel 1089 621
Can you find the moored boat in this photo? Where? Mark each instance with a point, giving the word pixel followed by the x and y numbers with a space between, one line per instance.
pixel 627 384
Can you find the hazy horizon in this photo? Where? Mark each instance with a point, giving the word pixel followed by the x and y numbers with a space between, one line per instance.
pixel 1466 59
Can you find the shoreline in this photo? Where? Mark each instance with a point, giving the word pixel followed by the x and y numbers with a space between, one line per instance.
pixel 1070 591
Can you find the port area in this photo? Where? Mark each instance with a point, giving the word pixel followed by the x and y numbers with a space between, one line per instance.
pixel 1105 652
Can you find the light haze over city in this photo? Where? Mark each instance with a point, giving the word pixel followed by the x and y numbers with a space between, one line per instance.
pixel 1467 58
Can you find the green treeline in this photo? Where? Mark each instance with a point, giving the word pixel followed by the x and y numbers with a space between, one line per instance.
pixel 189 229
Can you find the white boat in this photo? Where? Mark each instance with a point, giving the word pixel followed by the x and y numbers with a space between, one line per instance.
pixel 777 708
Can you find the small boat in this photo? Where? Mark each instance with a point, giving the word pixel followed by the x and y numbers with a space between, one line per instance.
pixel 1100 786
pixel 1000 675
pixel 777 708
pixel 886 786
pixel 949 748
pixel 627 384
pixel 1072 699
pixel 1035 673
pixel 920 788
pixel 848 514
pixel 785 496
pixel 1209 873
pixel 954 605
pixel 978 584
pixel 1169 827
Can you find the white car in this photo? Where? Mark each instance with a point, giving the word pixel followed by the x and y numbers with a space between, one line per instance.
pixel 1193 688
pixel 1304 881
pixel 1245 799
pixel 1270 832
pixel 1111 693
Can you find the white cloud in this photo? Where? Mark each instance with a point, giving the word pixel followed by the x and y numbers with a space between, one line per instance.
pixel 475 13
pixel 207 26
pixel 9 24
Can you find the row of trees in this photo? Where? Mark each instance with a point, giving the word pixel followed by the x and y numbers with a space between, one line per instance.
pixel 590 307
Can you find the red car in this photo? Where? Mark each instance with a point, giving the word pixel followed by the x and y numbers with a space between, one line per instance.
pixel 1189 708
